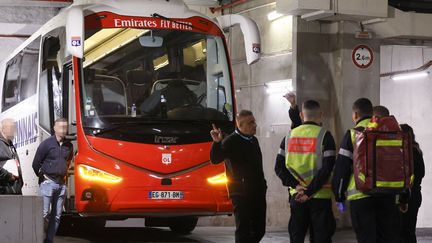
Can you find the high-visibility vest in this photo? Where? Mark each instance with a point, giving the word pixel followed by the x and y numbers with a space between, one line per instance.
pixel 352 192
pixel 304 156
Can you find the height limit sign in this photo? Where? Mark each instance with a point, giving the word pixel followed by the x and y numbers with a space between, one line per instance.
pixel 362 56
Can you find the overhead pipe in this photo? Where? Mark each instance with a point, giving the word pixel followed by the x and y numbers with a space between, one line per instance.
pixel 62 1
pixel 36 3
pixel 229 5
pixel 419 69
pixel 15 36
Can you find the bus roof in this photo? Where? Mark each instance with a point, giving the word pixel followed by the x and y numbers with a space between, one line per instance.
pixel 145 8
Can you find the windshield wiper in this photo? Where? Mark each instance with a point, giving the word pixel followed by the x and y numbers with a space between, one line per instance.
pixel 199 121
pixel 118 125
pixel 156 15
pixel 115 126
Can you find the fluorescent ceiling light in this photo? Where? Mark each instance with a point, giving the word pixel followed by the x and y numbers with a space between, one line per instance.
pixel 274 15
pixel 279 86
pixel 406 76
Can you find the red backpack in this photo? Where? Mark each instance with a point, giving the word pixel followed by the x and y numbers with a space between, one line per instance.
pixel 383 157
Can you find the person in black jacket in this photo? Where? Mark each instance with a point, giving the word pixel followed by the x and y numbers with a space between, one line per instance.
pixel 247 186
pixel 50 164
pixel 374 218
pixel 307 207
pixel 9 183
pixel 280 166
pixel 409 211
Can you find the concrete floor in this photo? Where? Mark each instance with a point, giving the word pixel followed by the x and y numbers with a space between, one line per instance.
pixel 133 232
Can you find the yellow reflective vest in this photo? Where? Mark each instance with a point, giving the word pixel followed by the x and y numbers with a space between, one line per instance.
pixel 304 156
pixel 352 192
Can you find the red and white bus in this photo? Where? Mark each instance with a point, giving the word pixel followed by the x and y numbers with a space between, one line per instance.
pixel 140 82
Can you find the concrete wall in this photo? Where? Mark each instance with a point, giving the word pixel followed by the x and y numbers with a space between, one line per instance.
pixel 20 21
pixel 410 101
pixel 23 219
pixel 271 111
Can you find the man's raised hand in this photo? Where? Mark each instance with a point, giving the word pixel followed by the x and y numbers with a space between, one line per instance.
pixel 216 134
pixel 291 97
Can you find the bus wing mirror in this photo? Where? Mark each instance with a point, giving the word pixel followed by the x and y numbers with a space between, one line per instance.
pixel 75 32
pixel 250 32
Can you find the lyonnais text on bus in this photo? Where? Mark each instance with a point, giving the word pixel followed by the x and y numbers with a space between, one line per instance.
pixel 140 83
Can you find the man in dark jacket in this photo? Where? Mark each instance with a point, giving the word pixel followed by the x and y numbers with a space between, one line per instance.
pixel 247 186
pixel 50 164
pixel 309 172
pixel 10 183
pixel 374 218
pixel 280 166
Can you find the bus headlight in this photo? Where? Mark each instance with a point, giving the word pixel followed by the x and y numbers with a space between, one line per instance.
pixel 93 174
pixel 218 179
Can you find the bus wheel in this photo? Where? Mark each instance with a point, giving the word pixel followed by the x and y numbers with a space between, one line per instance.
pixel 183 225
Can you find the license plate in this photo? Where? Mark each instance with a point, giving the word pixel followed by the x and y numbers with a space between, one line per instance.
pixel 172 195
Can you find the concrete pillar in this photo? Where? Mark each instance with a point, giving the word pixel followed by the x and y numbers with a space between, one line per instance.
pixel 323 70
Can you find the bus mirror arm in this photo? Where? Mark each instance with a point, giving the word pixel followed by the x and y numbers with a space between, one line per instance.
pixel 75 32
pixel 250 32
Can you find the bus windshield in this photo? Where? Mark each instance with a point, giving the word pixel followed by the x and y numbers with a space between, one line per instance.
pixel 141 75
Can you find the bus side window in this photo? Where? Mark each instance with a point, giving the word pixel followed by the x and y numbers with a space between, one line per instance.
pixel 50 84
pixel 11 87
pixel 21 76
pixel 29 70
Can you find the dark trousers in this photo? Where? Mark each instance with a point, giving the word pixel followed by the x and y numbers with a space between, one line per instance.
pixel 250 218
pixel 409 219
pixel 375 219
pixel 316 214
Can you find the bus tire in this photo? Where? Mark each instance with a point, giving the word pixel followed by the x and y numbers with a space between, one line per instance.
pixel 183 226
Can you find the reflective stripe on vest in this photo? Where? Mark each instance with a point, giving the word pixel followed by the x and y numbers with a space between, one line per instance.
pixel 352 192
pixel 304 156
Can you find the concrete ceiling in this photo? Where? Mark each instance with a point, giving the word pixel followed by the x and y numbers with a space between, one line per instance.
pixel 63 3
pixel 35 3
pixel 24 17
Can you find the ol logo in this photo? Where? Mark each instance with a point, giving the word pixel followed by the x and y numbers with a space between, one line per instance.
pixel 76 41
pixel 166 159
pixel 256 48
